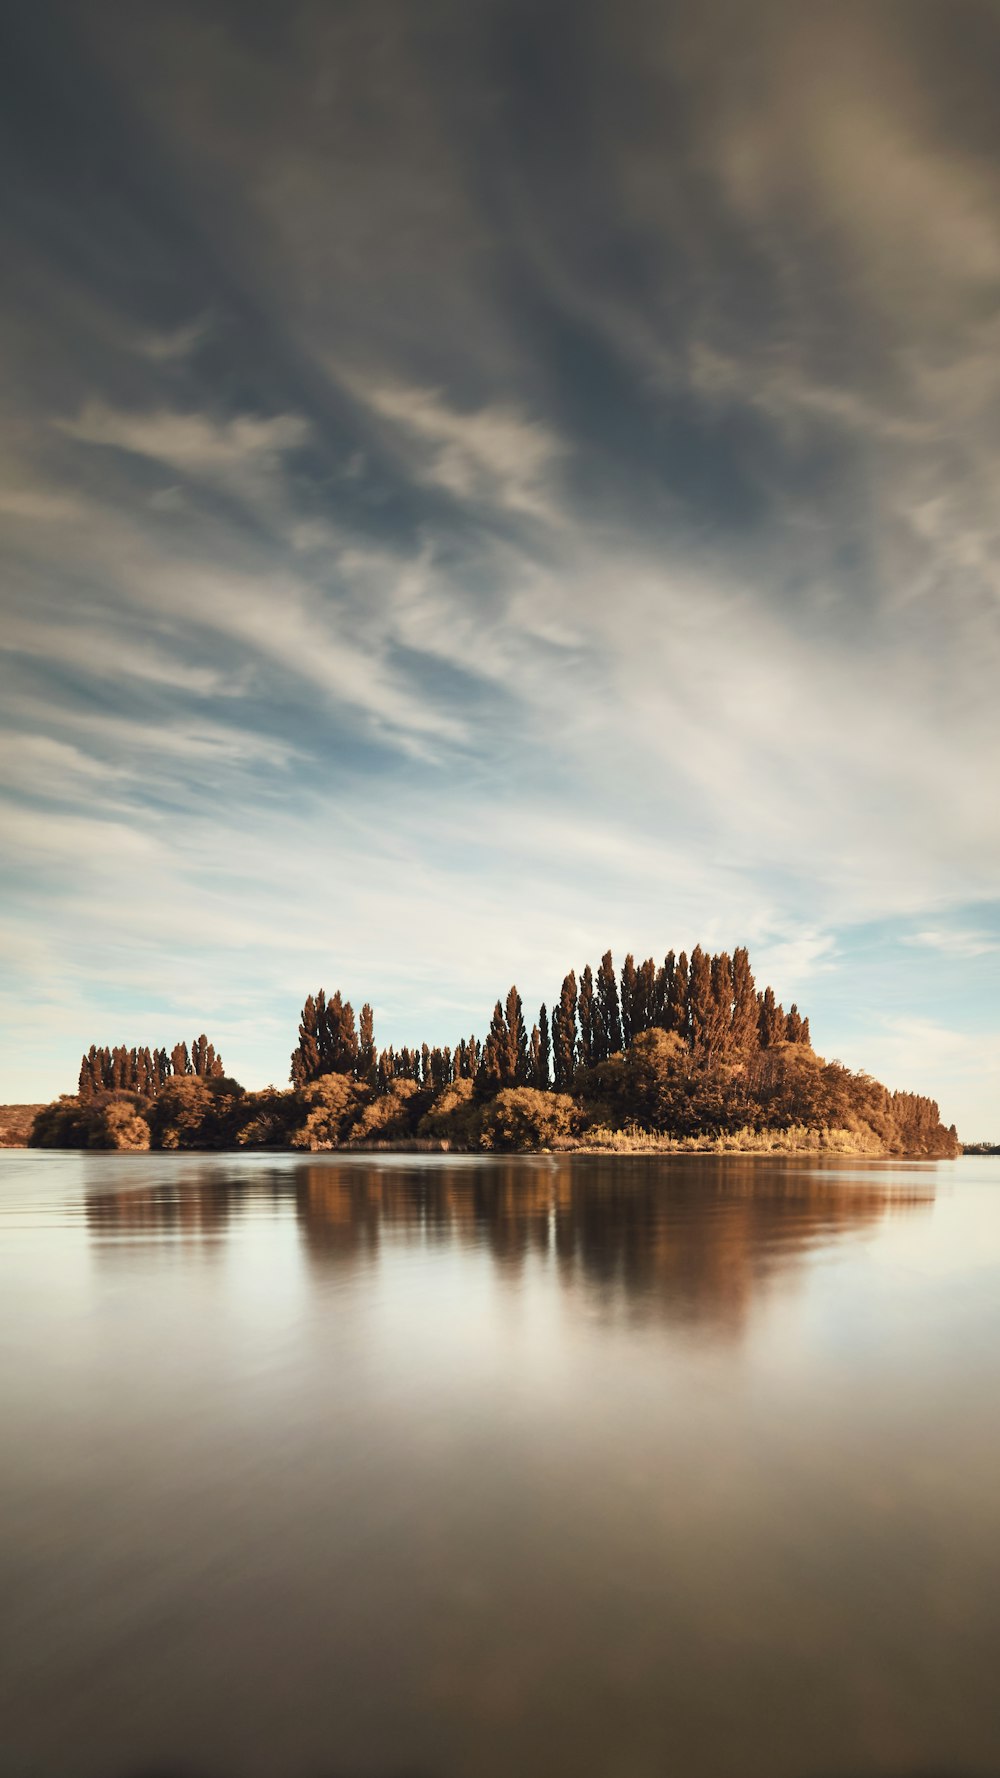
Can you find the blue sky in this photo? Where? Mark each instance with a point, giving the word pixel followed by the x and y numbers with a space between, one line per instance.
pixel 480 484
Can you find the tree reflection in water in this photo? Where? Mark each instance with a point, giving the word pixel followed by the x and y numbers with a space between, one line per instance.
pixel 687 1239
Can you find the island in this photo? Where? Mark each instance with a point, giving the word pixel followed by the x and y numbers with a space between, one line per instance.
pixel 686 1055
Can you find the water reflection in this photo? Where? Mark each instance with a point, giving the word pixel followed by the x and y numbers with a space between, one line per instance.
pixel 692 1240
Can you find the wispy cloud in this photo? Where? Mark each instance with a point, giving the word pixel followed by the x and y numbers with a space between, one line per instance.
pixel 493 454
pixel 954 942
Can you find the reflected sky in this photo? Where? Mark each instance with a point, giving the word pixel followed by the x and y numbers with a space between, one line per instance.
pixel 412 1464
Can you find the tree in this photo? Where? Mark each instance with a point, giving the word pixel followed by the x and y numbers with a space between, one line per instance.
pixel 305 1058
pixel 339 1041
pixel 700 1007
pixel 743 1024
pixel 648 1000
pixel 770 1019
pixel 366 1045
pixel 677 998
pixel 538 1053
pixel 607 1009
pixel 722 1004
pixel 629 999
pixel 543 1075
pixel 585 1014
pixel 564 1039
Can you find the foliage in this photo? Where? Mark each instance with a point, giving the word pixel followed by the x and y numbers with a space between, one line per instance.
pixel 522 1117
pixel 196 1111
pixel 687 1052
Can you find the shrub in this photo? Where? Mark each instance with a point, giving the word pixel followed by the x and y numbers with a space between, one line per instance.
pixel 390 1116
pixel 325 1111
pixel 109 1120
pixel 454 1115
pixel 195 1111
pixel 522 1117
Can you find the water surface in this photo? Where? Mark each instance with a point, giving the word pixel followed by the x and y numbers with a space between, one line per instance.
pixel 440 1466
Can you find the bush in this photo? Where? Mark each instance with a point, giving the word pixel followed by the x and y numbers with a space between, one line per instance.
pixel 266 1119
pixel 522 1117
pixel 454 1115
pixel 325 1111
pixel 390 1116
pixel 109 1120
pixel 195 1111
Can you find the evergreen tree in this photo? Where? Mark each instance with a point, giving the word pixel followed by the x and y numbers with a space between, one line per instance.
pixel 544 1076
pixel 793 1025
pixel 647 1005
pixel 743 1025
pixel 607 1009
pixel 722 1004
pixel 305 1058
pixel 564 1040
pixel 490 1077
pixel 677 998
pixel 585 1014
pixel 338 1037
pixel 700 1002
pixel 770 1020
pixel 517 1041
pixel 630 996
pixel 366 1044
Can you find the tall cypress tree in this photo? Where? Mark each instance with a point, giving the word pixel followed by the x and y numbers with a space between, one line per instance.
pixel 630 995
pixel 677 999
pixel 700 1001
pixel 305 1057
pixel 366 1044
pixel 770 1020
pixel 722 1003
pixel 516 1057
pixel 662 992
pixel 564 1038
pixel 585 1014
pixel 544 1080
pixel 492 1066
pixel 608 1008
pixel 743 1026
pixel 645 1015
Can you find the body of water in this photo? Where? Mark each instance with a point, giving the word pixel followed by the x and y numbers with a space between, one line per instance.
pixel 447 1467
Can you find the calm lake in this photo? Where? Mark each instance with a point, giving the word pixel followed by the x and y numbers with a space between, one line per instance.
pixel 450 1467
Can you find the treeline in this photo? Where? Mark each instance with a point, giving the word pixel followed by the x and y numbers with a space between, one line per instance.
pixel 710 1003
pixel 145 1071
pixel 688 1052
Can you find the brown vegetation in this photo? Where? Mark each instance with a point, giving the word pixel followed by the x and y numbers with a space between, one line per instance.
pixel 687 1054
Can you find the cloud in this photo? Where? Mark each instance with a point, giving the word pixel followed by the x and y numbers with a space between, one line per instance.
pixel 563 515
pixel 238 450
pixel 493 454
pixel 176 344
pixel 955 943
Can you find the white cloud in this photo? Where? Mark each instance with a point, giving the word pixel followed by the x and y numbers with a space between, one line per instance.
pixel 493 454
pixel 953 942
pixel 192 443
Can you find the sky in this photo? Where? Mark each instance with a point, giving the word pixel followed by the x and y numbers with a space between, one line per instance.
pixel 480 484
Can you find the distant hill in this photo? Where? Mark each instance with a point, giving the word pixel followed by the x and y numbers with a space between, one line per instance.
pixel 15 1124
